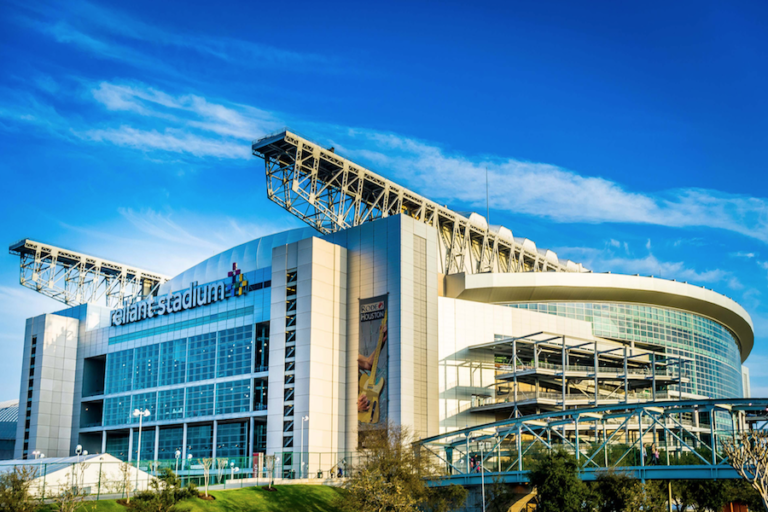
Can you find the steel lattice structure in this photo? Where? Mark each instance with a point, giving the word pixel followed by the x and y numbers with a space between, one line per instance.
pixel 688 433
pixel 331 193
pixel 74 278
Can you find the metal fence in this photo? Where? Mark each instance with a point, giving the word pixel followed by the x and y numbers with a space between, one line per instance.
pixel 113 479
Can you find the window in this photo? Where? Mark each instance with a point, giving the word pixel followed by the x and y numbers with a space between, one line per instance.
pixel 200 441
pixel 117 445
pixel 119 371
pixel 260 395
pixel 117 410
pixel 145 363
pixel 171 439
pixel 173 362
pixel 199 401
pixel 233 397
pixel 142 402
pixel 262 347
pixel 147 446
pixel 231 440
pixel 201 361
pixel 235 351
pixel 170 404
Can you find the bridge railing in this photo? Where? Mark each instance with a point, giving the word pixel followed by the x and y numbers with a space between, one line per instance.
pixel 679 433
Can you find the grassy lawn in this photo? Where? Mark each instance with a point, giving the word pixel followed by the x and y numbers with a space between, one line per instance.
pixel 310 498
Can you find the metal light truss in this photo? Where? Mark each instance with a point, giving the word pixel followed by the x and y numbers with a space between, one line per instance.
pixel 331 193
pixel 74 278
pixel 688 433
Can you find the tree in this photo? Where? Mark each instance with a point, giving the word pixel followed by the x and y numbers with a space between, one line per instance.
pixel 125 480
pixel 499 496
pixel 615 491
pixel 445 499
pixel 163 494
pixel 389 474
pixel 207 463
pixel 557 482
pixel 14 489
pixel 748 454
pixel 221 465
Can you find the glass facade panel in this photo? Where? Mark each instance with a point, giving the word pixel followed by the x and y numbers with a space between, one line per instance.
pixel 232 397
pixel 147 445
pixel 117 445
pixel 199 441
pixel 262 347
pixel 119 371
pixel 143 401
pixel 235 350
pixel 171 439
pixel 170 404
pixel 117 410
pixel 231 440
pixel 145 364
pixel 260 395
pixel 173 362
pixel 199 401
pixel 201 359
pixel 716 368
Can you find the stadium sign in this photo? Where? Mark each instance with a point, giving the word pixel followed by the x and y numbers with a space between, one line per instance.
pixel 176 302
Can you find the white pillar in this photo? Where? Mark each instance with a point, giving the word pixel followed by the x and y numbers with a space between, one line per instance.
pixel 157 441
pixel 130 445
pixel 104 441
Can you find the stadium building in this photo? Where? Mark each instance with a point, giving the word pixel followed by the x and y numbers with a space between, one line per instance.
pixel 388 307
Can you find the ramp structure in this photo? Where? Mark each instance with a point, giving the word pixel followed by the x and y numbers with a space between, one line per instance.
pixel 74 278
pixel 331 193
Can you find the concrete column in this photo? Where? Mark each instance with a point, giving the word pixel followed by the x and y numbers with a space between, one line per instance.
pixel 104 441
pixel 130 445
pixel 215 427
pixel 250 437
pixel 157 441
pixel 184 444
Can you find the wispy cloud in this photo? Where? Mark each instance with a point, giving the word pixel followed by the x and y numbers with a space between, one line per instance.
pixel 549 191
pixel 112 34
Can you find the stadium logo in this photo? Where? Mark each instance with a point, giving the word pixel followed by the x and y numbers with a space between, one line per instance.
pixel 176 302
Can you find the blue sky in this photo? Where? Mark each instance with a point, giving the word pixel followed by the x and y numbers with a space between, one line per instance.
pixel 629 138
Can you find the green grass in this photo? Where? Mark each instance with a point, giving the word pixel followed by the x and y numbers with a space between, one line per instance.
pixel 309 498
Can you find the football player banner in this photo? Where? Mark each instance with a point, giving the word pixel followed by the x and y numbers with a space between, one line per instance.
pixel 372 362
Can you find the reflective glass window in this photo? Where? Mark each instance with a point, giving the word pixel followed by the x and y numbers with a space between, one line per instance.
pixel 142 402
pixel 117 410
pixel 171 439
pixel 170 404
pixel 199 401
pixel 199 441
pixel 173 362
pixel 233 396
pixel 231 440
pixel 235 349
pixel 201 358
pixel 119 371
pixel 145 364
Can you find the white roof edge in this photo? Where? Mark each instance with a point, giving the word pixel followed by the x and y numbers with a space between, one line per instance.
pixel 591 287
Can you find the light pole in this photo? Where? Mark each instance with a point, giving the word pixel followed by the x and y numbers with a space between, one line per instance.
pixel 78 451
pixel 36 453
pixel 481 444
pixel 272 476
pixel 178 454
pixel 138 413
pixel 303 419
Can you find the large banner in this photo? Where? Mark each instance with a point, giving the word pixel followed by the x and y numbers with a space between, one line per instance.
pixel 372 366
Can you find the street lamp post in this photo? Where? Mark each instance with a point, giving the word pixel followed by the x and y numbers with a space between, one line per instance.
pixel 303 419
pixel 178 454
pixel 36 453
pixel 138 413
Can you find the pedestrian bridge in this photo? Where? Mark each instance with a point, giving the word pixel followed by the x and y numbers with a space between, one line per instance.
pixel 663 440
